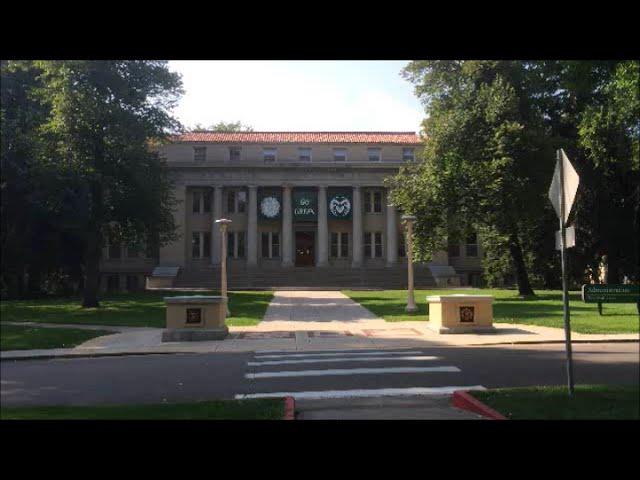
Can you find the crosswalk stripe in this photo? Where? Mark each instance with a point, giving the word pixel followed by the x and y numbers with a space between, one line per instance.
pixel 350 371
pixel 342 359
pixel 383 392
pixel 338 354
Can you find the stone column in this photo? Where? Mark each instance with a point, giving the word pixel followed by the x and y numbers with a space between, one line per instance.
pixel 392 235
pixel 215 229
pixel 357 227
pixel 323 228
pixel 287 227
pixel 252 227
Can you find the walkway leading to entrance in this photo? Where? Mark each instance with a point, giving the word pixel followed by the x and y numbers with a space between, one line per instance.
pixel 302 310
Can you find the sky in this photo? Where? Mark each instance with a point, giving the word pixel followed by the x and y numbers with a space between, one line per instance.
pixel 298 95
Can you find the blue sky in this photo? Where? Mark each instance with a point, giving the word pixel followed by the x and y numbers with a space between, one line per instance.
pixel 298 95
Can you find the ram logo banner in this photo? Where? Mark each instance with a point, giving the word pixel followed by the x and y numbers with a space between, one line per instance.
pixel 340 206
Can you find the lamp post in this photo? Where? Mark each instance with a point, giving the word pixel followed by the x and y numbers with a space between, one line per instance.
pixel 223 222
pixel 411 303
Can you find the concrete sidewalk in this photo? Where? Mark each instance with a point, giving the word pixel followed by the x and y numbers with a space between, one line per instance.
pixel 308 321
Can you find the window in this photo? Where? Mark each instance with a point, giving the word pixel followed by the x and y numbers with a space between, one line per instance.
pixel 133 251
pixel 235 244
pixel 206 201
pixel 304 154
pixel 234 154
pixel 340 154
pixel 407 154
pixel 231 201
pixel 200 244
pixel 373 244
pixel 270 245
pixel 197 201
pixel 242 201
pixel 199 154
pixel 269 154
pixel 113 283
pixel 374 154
pixel 402 251
pixel 454 250
pixel 472 245
pixel 339 244
pixel 115 251
pixel 132 283
pixel 373 201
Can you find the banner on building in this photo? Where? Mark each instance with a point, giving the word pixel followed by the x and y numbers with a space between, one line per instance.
pixel 305 204
pixel 269 203
pixel 339 203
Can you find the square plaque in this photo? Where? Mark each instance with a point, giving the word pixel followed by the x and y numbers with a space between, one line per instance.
pixel 194 316
pixel 467 314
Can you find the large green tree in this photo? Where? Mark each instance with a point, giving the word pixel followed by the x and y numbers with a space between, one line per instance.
pixel 106 182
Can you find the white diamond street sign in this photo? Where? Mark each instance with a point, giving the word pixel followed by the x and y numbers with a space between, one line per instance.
pixel 571 181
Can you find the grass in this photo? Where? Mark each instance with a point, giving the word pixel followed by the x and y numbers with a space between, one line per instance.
pixel 590 402
pixel 145 309
pixel 545 309
pixel 17 337
pixel 251 409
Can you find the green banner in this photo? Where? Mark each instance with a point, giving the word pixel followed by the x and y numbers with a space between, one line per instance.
pixel 305 204
pixel 269 204
pixel 598 293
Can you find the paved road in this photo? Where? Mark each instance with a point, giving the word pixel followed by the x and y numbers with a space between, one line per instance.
pixel 421 371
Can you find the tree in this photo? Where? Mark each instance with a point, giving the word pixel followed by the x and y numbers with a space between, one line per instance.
pixel 225 127
pixel 486 165
pixel 104 114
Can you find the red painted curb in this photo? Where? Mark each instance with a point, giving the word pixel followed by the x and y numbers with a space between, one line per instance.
pixel 289 408
pixel 462 399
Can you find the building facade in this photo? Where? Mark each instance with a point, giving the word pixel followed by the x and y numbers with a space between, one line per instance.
pixel 308 209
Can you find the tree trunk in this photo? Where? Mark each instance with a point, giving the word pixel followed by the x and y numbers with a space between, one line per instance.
pixel 524 287
pixel 92 263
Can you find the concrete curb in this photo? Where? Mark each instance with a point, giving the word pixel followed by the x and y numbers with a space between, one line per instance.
pixel 87 355
pixel 543 342
pixel 464 400
pixel 289 408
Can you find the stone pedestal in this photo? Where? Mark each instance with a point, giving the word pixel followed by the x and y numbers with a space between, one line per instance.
pixel 461 313
pixel 193 318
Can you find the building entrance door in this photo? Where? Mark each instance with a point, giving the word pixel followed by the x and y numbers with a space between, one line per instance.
pixel 305 248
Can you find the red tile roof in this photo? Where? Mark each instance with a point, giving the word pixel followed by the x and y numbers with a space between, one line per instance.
pixel 399 138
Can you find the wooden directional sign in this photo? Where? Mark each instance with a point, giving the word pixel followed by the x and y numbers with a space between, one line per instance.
pixel 569 186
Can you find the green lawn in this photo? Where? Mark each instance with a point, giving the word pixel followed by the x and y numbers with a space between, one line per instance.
pixel 590 402
pixel 251 409
pixel 544 309
pixel 145 309
pixel 17 337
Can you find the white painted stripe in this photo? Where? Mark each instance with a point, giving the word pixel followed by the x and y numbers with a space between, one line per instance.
pixel 343 354
pixel 382 392
pixel 350 371
pixel 343 359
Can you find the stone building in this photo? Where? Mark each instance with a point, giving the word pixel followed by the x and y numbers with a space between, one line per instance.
pixel 308 209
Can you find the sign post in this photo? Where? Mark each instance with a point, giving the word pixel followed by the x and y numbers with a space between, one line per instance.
pixel 562 193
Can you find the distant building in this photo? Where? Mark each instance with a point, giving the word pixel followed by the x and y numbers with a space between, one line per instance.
pixel 309 209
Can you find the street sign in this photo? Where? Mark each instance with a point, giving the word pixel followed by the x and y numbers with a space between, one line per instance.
pixel 569 186
pixel 609 293
pixel 570 238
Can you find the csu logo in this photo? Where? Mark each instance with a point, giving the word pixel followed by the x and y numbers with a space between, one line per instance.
pixel 339 206
pixel 270 207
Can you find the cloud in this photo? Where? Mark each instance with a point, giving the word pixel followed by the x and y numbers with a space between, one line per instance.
pixel 270 95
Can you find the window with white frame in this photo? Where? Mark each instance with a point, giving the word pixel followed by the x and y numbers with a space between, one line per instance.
pixel 339 154
pixel 199 154
pixel 471 247
pixel 407 154
pixel 236 201
pixel 270 154
pixel 234 154
pixel 374 154
pixel 339 244
pixel 270 244
pixel 235 244
pixel 373 244
pixel 373 201
pixel 304 154
pixel 200 244
pixel 201 201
